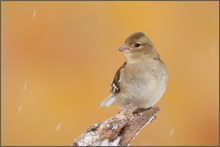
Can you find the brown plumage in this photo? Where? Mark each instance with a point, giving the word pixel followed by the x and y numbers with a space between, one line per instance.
pixel 142 79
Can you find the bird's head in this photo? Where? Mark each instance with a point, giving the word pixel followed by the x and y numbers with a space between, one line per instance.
pixel 137 45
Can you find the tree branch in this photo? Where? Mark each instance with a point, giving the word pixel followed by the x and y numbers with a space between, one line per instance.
pixel 118 130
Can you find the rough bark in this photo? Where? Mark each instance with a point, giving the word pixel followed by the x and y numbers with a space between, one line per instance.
pixel 118 130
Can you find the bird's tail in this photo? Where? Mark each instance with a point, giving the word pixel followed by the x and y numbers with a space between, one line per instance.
pixel 107 102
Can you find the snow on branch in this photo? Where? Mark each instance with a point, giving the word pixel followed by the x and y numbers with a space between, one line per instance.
pixel 118 130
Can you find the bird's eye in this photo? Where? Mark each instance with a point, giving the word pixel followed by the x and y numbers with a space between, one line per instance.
pixel 137 44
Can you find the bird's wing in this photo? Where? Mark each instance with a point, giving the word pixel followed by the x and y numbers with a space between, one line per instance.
pixel 115 86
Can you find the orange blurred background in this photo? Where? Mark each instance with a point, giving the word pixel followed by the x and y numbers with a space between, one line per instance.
pixel 59 59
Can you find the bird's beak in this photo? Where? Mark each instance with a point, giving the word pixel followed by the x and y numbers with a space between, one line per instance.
pixel 125 49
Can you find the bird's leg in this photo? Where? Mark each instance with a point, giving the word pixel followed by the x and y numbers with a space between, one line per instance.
pixel 139 110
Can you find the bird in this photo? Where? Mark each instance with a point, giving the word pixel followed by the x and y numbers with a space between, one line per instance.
pixel 141 79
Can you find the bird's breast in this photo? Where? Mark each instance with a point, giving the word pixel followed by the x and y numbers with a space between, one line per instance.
pixel 143 85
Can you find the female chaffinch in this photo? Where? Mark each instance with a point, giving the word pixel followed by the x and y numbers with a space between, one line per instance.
pixel 142 79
